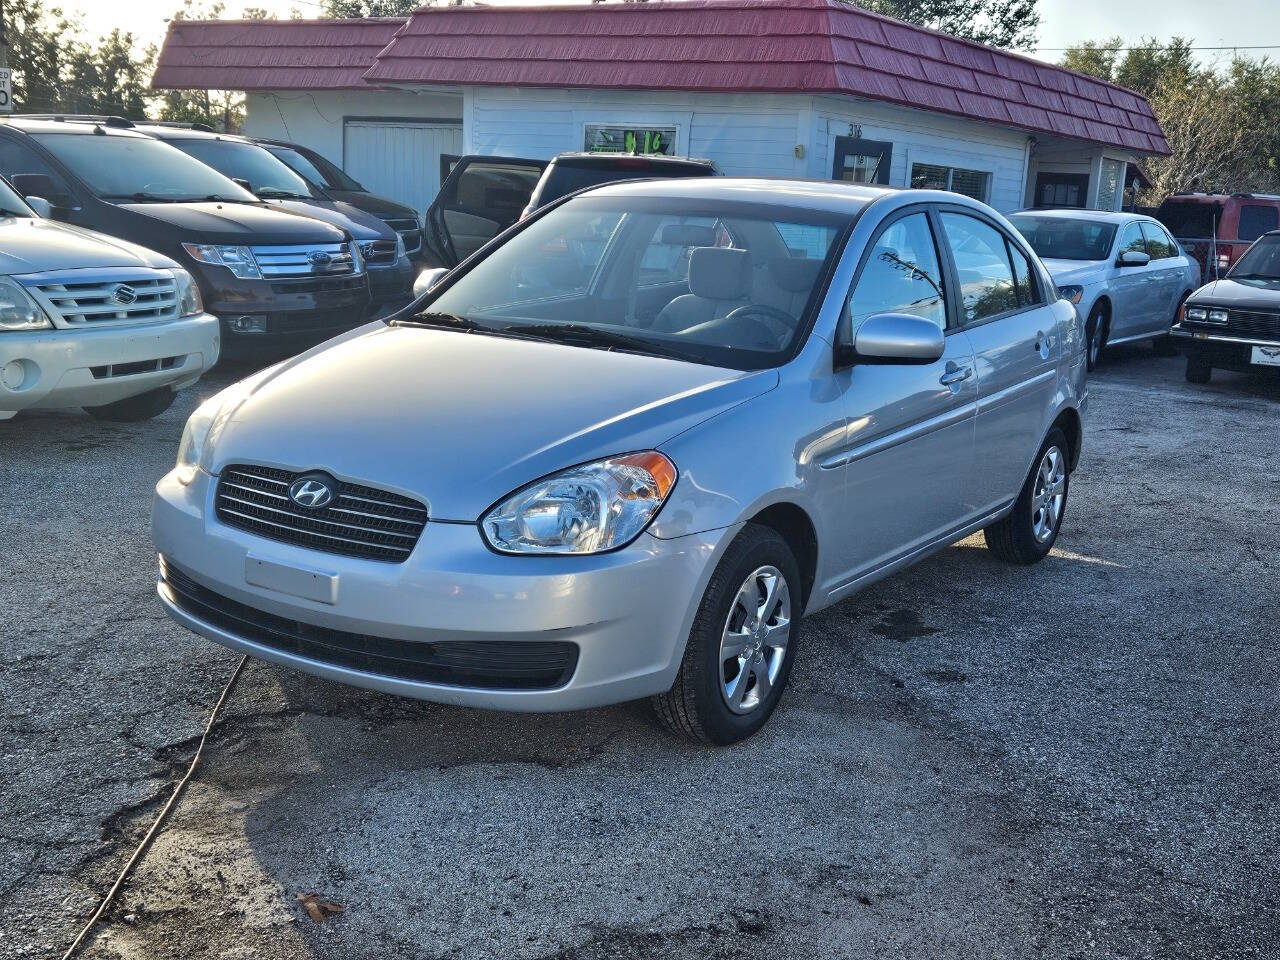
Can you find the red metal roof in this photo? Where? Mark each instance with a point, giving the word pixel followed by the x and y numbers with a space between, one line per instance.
pixel 776 46
pixel 271 54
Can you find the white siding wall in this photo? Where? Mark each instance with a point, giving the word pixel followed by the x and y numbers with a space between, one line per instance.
pixel 315 120
pixel 920 137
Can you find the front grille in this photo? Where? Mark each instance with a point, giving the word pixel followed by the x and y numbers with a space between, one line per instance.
pixel 360 521
pixel 82 301
pixel 304 260
pixel 348 284
pixel 378 253
pixel 132 369
pixel 410 232
pixel 1251 323
pixel 491 664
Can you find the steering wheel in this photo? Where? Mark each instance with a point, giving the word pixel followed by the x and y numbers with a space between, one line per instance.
pixel 777 325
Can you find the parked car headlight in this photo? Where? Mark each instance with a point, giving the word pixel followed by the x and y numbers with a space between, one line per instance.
pixel 1198 314
pixel 187 294
pixel 195 450
pixel 17 310
pixel 239 260
pixel 1071 292
pixel 1218 316
pixel 592 508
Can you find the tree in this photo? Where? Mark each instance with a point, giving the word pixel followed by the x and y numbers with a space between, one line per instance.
pixel 39 39
pixel 111 78
pixel 220 109
pixel 355 9
pixel 1013 24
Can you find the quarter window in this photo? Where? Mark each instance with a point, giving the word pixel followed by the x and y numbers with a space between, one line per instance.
pixel 981 255
pixel 901 275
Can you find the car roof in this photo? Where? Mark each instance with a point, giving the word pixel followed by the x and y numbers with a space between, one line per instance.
pixel 1075 213
pixel 69 125
pixel 620 155
pixel 162 132
pixel 833 196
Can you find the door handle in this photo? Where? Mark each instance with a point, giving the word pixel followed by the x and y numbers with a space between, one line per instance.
pixel 952 377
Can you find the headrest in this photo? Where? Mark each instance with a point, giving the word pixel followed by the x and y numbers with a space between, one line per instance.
pixel 719 273
pixel 688 235
pixel 795 274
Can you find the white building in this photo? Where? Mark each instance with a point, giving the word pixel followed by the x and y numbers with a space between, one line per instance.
pixel 803 88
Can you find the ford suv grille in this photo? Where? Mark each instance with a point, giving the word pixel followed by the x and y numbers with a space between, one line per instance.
pixel 78 300
pixel 304 260
pixel 360 521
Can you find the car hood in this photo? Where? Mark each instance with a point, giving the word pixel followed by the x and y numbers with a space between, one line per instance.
pixel 371 203
pixel 1241 294
pixel 237 223
pixel 1079 272
pixel 460 420
pixel 34 246
pixel 361 225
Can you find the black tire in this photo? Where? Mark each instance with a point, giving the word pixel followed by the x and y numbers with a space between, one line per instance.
pixel 131 409
pixel 1014 539
pixel 1198 371
pixel 696 707
pixel 1095 335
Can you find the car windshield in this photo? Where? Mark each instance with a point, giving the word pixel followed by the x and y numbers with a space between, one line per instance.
pixel 1062 238
pixel 316 171
pixel 566 177
pixel 1260 262
pixel 12 205
pixel 730 284
pixel 139 168
pixel 266 175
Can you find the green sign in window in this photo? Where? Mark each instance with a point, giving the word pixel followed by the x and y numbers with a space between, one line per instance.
pixel 601 138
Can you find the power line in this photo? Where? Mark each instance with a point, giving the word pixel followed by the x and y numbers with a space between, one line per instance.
pixel 1158 46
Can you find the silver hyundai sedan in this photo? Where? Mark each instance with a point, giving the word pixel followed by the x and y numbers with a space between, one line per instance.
pixel 625 447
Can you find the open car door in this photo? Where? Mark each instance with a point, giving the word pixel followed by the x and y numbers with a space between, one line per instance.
pixel 480 198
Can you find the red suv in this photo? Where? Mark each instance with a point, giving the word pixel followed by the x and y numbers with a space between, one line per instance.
pixel 1217 228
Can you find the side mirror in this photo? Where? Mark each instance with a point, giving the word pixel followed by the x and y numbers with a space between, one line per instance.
pixel 895 338
pixel 427 279
pixel 1133 258
pixel 41 206
pixel 242 182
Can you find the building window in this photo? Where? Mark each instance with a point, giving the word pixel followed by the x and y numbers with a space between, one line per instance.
pixel 862 161
pixel 1111 185
pixel 1061 189
pixel 931 176
pixel 603 138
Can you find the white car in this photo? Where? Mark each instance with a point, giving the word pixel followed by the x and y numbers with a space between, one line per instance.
pixel 1123 271
pixel 92 321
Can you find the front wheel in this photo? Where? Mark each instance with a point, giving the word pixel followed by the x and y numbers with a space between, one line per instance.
pixel 739 652
pixel 142 407
pixel 1030 530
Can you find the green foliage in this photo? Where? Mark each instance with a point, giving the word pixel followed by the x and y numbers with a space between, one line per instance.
pixel 220 109
pixel 1012 24
pixel 352 9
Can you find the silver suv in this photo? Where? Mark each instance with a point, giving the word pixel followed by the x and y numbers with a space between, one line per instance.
pixel 625 448
pixel 92 321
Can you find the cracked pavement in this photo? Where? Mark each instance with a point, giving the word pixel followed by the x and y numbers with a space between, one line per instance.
pixel 1074 760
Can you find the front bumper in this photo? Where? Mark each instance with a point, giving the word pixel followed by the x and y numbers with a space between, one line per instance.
pixel 628 613
pixel 49 369
pixel 1221 348
pixel 391 285
pixel 296 312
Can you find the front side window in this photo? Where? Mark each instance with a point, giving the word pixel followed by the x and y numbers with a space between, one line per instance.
pixel 971 183
pixel 712 282
pixel 1159 244
pixel 267 175
pixel 901 275
pixel 981 255
pixel 1132 240
pixel 19 159
pixel 1064 238
pixel 12 205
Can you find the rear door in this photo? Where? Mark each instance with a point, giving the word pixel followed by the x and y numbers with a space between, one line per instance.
pixel 481 197
pixel 1168 276
pixel 1004 309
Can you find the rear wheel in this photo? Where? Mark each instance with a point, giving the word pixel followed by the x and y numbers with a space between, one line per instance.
pixel 1030 530
pixel 739 652
pixel 142 407
pixel 1198 371
pixel 1095 335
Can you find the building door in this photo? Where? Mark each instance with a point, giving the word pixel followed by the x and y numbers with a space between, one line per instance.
pixel 1062 189
pixel 399 159
pixel 862 161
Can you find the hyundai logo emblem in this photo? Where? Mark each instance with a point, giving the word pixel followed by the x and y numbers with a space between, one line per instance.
pixel 319 258
pixel 311 492
pixel 368 250
pixel 124 294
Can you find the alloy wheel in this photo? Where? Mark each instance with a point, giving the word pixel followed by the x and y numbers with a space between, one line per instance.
pixel 754 644
pixel 1049 494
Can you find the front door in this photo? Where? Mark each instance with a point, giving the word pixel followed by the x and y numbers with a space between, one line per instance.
pixel 1014 334
pixel 481 197
pixel 909 451
pixel 862 161
pixel 1133 288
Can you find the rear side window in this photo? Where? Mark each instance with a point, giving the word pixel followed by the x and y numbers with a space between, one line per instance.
pixel 1159 244
pixel 1257 219
pixel 666 256
pixel 981 256
pixel 1026 286
pixel 901 275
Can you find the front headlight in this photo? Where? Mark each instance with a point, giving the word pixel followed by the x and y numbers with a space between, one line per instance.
pixel 187 294
pixel 239 260
pixel 195 450
pixel 1072 293
pixel 591 508
pixel 17 310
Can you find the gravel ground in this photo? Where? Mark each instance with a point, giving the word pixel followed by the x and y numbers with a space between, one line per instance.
pixel 1075 760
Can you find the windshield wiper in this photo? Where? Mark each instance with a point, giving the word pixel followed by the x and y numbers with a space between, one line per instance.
pixel 580 333
pixel 271 193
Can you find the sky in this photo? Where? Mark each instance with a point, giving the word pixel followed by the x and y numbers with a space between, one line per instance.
pixel 1064 22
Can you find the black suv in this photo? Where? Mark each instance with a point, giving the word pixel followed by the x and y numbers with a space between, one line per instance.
pixel 482 196
pixel 1234 323
pixel 323 174
pixel 268 178
pixel 273 277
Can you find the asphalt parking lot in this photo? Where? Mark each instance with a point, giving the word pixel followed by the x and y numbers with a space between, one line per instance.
pixel 1074 760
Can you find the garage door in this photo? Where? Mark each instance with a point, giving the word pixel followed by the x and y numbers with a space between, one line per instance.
pixel 399 159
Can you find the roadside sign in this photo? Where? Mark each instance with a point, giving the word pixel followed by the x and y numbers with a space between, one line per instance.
pixel 6 90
